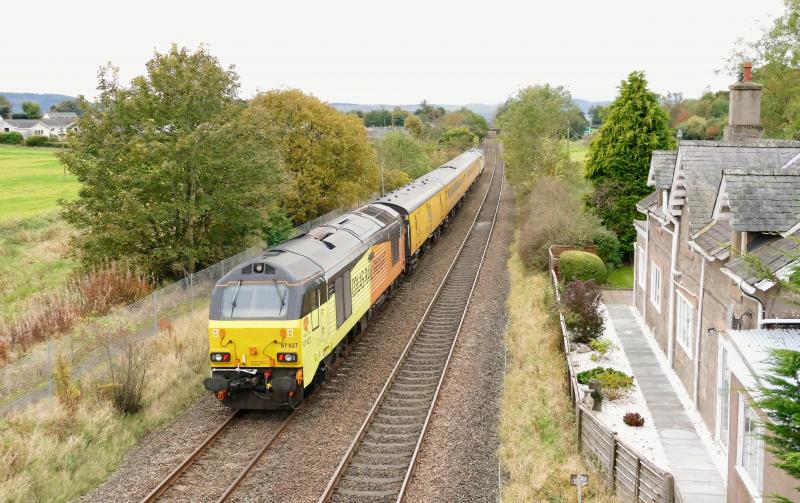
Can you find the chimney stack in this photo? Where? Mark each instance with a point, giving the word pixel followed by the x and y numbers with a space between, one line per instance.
pixel 744 110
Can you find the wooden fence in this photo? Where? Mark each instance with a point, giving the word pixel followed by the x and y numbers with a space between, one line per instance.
pixel 631 476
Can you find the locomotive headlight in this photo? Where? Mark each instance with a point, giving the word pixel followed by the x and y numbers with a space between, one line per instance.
pixel 287 357
pixel 220 357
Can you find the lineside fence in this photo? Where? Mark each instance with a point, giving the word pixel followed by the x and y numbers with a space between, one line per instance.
pixel 86 348
pixel 630 475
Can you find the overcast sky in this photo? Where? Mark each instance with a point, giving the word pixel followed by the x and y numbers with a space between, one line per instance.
pixel 388 52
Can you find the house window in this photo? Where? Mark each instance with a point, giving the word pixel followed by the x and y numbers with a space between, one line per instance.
pixel 655 286
pixel 723 397
pixel 685 315
pixel 750 452
pixel 642 265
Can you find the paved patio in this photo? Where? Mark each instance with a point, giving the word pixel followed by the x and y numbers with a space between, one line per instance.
pixel 695 473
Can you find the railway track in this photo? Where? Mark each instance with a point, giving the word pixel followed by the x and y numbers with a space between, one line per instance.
pixel 381 458
pixel 206 446
pixel 438 318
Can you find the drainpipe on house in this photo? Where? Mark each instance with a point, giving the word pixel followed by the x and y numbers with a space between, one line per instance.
pixel 674 275
pixel 748 292
pixel 700 296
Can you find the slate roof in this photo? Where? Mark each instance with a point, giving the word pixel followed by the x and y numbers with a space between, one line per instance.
pixel 763 200
pixel 662 167
pixel 22 123
pixel 703 162
pixel 774 252
pixel 648 202
pixel 62 115
pixel 715 238
pixel 29 123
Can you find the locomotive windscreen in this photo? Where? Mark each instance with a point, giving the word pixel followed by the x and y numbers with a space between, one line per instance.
pixel 263 301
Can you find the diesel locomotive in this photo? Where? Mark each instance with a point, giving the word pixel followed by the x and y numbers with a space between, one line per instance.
pixel 278 322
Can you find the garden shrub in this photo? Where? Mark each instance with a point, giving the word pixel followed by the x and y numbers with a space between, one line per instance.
pixel 581 307
pixel 608 248
pixel 581 265
pixel 633 419
pixel 12 138
pixel 614 384
pixel 36 141
pixel 601 347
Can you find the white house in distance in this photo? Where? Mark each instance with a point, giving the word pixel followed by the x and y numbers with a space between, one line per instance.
pixel 55 124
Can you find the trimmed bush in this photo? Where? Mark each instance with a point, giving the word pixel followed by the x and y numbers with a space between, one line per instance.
pixel 581 265
pixel 36 141
pixel 580 305
pixel 12 138
pixel 608 248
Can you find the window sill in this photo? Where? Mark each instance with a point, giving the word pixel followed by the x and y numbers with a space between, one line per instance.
pixel 686 350
pixel 755 494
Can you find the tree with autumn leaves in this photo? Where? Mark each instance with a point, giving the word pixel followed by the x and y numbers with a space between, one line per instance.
pixel 177 172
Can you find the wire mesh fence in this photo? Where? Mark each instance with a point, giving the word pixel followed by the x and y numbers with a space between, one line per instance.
pixel 86 348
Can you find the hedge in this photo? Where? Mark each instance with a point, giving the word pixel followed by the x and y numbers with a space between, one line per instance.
pixel 12 138
pixel 36 141
pixel 577 264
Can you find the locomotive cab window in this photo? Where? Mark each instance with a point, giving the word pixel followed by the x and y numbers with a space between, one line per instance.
pixel 254 301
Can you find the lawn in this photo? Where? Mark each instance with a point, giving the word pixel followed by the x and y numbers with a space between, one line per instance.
pixel 578 150
pixel 621 277
pixel 33 181
pixel 33 238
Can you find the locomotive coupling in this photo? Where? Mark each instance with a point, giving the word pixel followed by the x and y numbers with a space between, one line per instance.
pixel 215 384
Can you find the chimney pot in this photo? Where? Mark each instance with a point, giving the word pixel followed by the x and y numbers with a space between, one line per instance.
pixel 747 72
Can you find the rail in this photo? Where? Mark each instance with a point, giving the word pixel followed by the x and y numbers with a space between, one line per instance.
pixel 380 460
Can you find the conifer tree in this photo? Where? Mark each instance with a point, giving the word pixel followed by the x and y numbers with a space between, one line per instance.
pixel 780 400
pixel 619 157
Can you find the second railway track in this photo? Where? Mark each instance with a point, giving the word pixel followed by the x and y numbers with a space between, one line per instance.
pixel 380 460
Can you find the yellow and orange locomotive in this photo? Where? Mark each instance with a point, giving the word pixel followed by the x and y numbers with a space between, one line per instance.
pixel 279 321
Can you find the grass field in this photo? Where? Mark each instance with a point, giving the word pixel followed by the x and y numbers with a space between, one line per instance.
pixel 33 238
pixel 578 150
pixel 33 181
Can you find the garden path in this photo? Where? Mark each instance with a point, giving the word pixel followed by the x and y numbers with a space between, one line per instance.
pixel 695 473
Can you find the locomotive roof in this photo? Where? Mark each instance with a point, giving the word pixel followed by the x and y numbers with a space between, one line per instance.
pixel 322 251
pixel 413 195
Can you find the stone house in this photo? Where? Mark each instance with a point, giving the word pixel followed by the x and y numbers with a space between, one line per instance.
pixel 712 317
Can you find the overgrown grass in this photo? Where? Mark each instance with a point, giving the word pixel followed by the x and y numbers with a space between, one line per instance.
pixel 32 258
pixel 50 454
pixel 537 432
pixel 621 277
pixel 33 181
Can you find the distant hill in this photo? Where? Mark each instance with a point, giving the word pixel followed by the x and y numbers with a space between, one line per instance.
pixel 586 105
pixel 45 101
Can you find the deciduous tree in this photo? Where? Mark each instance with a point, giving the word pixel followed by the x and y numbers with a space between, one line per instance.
pixel 619 156
pixel 326 152
pixel 172 177
pixel 402 152
pixel 32 110
pixel 5 108
pixel 530 123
